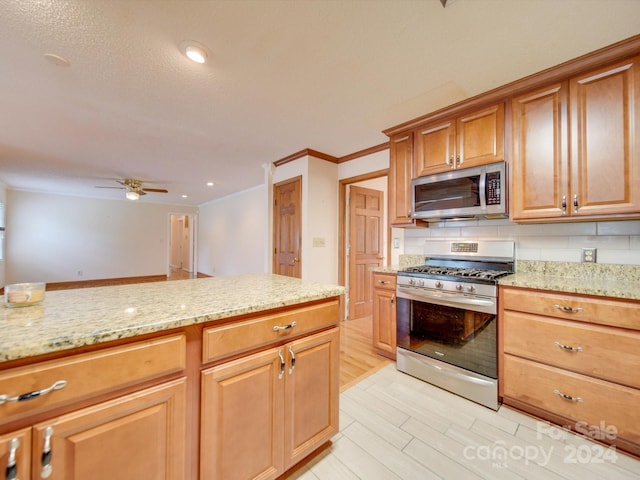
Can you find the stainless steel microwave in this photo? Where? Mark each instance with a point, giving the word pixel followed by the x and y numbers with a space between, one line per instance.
pixel 475 192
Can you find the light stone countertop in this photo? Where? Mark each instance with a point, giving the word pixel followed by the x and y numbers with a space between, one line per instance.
pixel 68 319
pixel 606 280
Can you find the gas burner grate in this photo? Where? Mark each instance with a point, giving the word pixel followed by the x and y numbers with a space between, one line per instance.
pixel 484 274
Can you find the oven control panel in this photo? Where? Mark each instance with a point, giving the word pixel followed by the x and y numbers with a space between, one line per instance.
pixel 464 247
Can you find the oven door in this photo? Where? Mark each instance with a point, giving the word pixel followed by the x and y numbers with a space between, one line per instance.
pixel 458 335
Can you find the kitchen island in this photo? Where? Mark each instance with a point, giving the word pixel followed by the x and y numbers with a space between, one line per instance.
pixel 225 377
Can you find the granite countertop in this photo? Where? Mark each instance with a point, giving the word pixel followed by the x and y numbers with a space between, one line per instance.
pixel 73 318
pixel 607 280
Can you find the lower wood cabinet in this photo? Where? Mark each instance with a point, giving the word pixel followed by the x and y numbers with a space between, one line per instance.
pixel 573 360
pixel 384 314
pixel 141 435
pixel 263 413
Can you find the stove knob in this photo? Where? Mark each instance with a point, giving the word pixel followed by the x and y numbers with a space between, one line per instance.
pixel 421 283
pixel 459 287
pixel 471 289
pixel 438 284
pixel 412 281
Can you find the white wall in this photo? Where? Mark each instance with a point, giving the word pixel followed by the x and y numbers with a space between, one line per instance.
pixel 617 242
pixel 54 237
pixel 367 164
pixel 320 222
pixel 232 232
pixel 319 215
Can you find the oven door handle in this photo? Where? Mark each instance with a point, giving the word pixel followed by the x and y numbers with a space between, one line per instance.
pixel 454 374
pixel 452 299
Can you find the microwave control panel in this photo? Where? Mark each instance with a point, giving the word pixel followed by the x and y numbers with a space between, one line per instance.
pixel 493 188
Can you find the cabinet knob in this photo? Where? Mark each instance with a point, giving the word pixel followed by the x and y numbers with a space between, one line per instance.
pixel 46 470
pixel 450 162
pixel 568 309
pixel 409 214
pixel 575 203
pixel 459 161
pixel 568 348
pixel 12 466
pixel 282 365
pixel 36 393
pixel 293 360
pixel 568 397
pixel 564 204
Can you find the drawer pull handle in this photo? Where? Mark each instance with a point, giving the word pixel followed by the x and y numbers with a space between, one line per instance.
pixel 293 360
pixel 46 453
pixel 12 466
pixel 37 393
pixel 384 282
pixel 567 397
pixel 568 347
pixel 277 328
pixel 282 365
pixel 568 309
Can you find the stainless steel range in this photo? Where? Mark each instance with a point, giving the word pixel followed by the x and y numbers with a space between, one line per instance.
pixel 447 317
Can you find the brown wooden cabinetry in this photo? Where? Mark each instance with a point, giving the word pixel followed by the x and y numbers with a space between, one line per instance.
pixel 384 314
pixel 576 147
pixel 573 360
pixel 466 141
pixel 140 434
pixel 263 413
pixel 400 175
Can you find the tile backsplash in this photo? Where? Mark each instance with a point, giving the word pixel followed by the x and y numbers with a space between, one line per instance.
pixel 618 242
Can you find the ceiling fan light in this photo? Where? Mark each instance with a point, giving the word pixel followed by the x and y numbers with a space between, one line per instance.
pixel 132 195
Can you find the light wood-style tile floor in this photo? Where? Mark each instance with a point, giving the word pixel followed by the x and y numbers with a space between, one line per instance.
pixel 393 426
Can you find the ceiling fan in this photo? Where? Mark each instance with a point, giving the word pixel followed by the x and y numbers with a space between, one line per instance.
pixel 134 188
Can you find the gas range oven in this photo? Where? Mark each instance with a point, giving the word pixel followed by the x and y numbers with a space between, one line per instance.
pixel 446 314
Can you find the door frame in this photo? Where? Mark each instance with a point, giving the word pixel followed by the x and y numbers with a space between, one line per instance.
pixel 193 244
pixel 342 226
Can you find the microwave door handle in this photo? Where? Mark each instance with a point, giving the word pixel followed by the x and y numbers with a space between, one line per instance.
pixel 483 189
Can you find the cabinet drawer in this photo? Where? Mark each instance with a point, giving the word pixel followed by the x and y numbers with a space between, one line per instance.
pixel 603 352
pixel 603 403
pixel 585 309
pixel 384 280
pixel 233 338
pixel 89 374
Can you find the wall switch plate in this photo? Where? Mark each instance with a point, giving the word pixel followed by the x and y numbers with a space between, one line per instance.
pixel 589 255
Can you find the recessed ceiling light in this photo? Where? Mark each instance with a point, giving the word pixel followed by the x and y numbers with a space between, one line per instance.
pixel 57 60
pixel 185 196
pixel 210 184
pixel 194 51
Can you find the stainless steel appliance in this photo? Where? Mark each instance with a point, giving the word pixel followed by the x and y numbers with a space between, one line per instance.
pixel 446 314
pixel 476 192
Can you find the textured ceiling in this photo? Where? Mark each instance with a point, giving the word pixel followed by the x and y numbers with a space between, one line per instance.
pixel 282 76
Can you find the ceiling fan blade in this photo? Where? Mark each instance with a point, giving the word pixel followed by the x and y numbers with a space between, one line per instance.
pixel 118 188
pixel 155 190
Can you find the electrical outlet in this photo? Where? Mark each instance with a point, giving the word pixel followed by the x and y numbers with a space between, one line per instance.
pixel 589 255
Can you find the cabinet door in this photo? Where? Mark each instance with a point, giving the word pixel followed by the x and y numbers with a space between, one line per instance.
pixel 435 148
pixel 384 322
pixel 312 391
pixel 480 137
pixel 605 114
pixel 20 443
pixel 242 418
pixel 141 435
pixel 400 174
pixel 540 182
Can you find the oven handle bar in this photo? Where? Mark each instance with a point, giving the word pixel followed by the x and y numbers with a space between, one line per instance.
pixel 444 298
pixel 459 375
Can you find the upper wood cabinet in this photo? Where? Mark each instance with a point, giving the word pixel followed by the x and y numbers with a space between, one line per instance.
pixel 576 147
pixel 467 141
pixel 400 174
